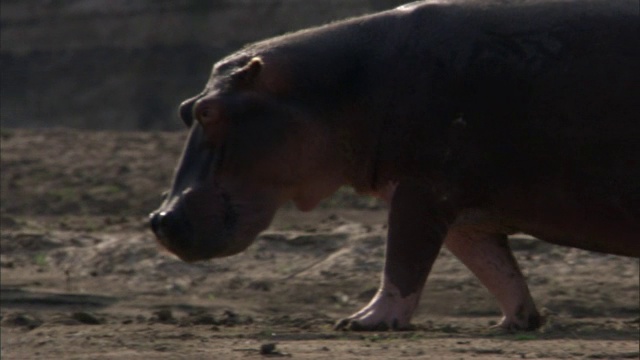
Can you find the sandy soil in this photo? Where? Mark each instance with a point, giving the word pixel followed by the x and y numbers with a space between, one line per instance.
pixel 82 277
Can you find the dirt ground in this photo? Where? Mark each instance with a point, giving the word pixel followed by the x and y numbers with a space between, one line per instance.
pixel 82 277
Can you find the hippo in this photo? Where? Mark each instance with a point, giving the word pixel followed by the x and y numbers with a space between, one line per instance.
pixel 473 119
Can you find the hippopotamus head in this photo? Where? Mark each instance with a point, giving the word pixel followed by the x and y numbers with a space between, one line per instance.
pixel 250 149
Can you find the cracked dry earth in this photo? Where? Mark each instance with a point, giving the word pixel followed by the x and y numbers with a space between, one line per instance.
pixel 82 277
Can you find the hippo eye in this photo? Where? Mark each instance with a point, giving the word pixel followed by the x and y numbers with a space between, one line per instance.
pixel 207 115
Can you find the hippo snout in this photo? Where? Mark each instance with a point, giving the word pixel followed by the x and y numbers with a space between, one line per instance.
pixel 197 225
pixel 198 220
pixel 190 240
pixel 174 232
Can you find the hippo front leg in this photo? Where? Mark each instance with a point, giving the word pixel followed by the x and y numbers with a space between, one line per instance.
pixel 416 231
pixel 489 257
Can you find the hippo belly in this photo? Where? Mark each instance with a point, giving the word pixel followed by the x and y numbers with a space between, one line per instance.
pixel 592 226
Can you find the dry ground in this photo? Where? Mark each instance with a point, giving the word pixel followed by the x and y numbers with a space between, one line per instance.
pixel 82 277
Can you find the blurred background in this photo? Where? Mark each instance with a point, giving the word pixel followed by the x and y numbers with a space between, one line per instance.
pixel 127 64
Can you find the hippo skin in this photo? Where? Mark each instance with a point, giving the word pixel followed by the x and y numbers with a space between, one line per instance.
pixel 473 119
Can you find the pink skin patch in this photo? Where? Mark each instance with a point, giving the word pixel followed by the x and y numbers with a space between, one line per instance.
pixel 387 310
pixel 490 259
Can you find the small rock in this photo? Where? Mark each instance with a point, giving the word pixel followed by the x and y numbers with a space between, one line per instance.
pixel 260 285
pixel 201 319
pixel 22 320
pixel 164 315
pixel 267 349
pixel 86 318
pixel 230 318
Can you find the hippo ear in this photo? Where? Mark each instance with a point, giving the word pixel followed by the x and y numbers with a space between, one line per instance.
pixel 247 74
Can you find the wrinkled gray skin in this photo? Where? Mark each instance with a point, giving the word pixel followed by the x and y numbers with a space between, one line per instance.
pixel 473 119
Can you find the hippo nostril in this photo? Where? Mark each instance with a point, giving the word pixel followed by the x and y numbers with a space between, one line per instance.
pixel 174 232
pixel 154 221
pixel 169 225
pixel 163 223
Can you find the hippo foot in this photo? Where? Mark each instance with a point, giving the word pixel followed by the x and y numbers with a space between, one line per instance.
pixel 386 311
pixel 529 323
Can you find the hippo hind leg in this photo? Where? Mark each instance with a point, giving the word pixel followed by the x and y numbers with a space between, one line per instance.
pixel 489 257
